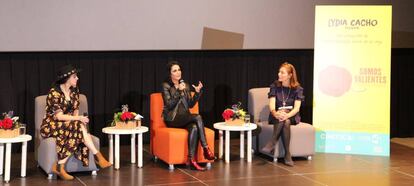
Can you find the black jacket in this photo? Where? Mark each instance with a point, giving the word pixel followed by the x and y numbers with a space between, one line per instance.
pixel 172 97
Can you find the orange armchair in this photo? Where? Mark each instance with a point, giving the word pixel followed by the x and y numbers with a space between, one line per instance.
pixel 170 144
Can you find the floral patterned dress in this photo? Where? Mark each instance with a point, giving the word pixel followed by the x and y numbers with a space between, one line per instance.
pixel 68 134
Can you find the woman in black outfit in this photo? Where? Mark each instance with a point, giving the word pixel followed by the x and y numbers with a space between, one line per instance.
pixel 177 102
pixel 285 98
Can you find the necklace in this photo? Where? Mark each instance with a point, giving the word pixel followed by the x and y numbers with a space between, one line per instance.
pixel 283 97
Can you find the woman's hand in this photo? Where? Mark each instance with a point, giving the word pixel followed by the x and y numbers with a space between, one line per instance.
pixel 83 119
pixel 198 87
pixel 282 115
pixel 181 86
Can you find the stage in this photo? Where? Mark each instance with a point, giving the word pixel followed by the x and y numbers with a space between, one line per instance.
pixel 323 169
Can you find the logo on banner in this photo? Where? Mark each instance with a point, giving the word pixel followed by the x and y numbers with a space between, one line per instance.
pixel 370 76
pixel 353 23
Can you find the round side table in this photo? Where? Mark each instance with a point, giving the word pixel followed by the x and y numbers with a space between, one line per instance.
pixel 249 127
pixel 111 131
pixel 8 141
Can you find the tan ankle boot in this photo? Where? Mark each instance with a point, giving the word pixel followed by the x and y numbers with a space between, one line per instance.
pixel 59 169
pixel 101 161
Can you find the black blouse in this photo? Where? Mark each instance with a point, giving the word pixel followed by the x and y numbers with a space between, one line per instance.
pixel 286 95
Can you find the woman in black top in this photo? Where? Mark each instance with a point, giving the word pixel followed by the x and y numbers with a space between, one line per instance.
pixel 177 102
pixel 285 98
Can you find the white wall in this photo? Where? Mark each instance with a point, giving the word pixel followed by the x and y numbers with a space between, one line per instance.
pixel 88 25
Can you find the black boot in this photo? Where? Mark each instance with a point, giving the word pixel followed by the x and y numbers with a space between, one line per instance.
pixel 201 132
pixel 192 147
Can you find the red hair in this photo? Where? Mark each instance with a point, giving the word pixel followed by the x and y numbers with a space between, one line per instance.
pixel 294 83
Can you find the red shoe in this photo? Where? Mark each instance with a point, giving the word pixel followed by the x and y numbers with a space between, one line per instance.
pixel 208 154
pixel 191 163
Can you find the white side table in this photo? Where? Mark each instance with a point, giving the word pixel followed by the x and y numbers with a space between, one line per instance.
pixel 113 131
pixel 8 141
pixel 245 127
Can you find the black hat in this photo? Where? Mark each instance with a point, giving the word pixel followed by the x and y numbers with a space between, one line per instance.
pixel 66 71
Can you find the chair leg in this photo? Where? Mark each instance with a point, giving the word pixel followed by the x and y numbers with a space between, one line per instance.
pixel 155 158
pixel 51 176
pixel 171 166
pixel 309 158
pixel 208 165
pixel 94 173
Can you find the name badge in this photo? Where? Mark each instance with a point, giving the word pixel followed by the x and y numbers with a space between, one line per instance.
pixel 285 108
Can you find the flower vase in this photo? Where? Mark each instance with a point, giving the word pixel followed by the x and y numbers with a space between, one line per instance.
pixel 235 122
pixel 126 124
pixel 9 133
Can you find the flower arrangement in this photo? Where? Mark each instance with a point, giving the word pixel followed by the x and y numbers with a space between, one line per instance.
pixel 7 121
pixel 9 125
pixel 234 115
pixel 126 119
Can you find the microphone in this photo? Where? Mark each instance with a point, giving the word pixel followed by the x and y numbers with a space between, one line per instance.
pixel 85 114
pixel 183 92
pixel 181 81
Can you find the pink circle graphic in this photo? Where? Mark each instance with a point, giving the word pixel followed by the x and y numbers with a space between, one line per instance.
pixel 334 81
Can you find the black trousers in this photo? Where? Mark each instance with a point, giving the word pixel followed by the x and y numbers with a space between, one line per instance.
pixel 195 126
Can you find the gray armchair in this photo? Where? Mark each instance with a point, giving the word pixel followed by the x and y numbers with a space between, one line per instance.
pixel 302 141
pixel 45 149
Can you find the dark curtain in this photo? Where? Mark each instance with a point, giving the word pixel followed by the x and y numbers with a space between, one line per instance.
pixel 110 79
pixel 402 92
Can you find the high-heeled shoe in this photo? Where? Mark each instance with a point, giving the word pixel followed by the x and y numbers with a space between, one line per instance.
pixel 288 160
pixel 192 164
pixel 269 147
pixel 208 154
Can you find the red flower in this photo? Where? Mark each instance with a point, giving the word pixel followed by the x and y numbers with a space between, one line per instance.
pixel 7 123
pixel 227 114
pixel 127 116
pixel 1 124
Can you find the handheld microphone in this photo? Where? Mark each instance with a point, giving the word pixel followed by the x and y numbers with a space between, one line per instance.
pixel 85 114
pixel 182 91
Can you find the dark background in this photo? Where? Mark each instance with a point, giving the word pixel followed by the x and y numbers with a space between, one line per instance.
pixel 110 79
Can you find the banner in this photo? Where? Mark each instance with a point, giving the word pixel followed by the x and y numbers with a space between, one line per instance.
pixel 351 109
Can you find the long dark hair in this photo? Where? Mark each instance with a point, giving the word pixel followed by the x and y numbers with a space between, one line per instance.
pixel 62 81
pixel 57 83
pixel 169 65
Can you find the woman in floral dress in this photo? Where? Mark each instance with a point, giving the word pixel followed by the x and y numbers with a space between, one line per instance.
pixel 63 122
